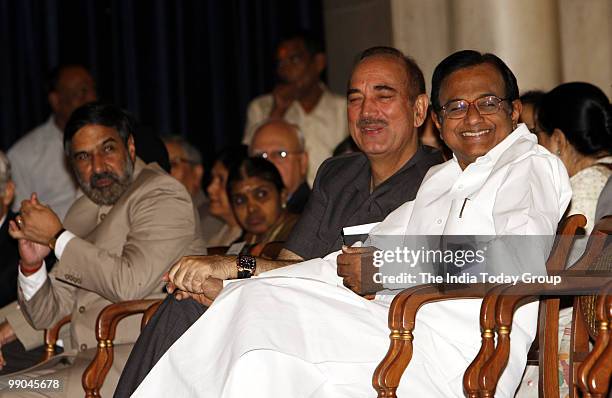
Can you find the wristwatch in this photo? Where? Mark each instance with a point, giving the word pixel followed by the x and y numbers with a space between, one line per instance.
pixel 53 240
pixel 246 266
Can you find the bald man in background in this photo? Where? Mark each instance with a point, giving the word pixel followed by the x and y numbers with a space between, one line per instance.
pixel 282 143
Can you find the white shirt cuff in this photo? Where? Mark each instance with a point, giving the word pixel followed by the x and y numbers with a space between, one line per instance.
pixel 30 284
pixel 61 243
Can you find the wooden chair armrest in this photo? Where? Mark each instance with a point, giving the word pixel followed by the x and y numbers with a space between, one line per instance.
pixel 220 250
pixel 106 327
pixel 402 315
pixel 593 375
pixel 51 336
pixel 508 302
pixel 272 249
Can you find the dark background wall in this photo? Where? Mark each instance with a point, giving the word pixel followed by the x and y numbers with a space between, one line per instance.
pixel 186 67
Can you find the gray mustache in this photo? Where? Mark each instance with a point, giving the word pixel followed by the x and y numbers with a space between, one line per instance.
pixel 366 122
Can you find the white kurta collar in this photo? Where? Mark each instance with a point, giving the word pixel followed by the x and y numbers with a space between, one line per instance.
pixel 496 152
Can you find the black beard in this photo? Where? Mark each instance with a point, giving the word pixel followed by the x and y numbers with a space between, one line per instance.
pixel 109 195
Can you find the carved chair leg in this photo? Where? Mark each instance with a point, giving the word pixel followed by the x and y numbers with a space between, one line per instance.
pixel 494 367
pixel 389 372
pixel 487 327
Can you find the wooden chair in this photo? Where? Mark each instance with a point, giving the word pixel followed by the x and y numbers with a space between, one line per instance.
pixel 271 250
pixel 596 370
pixel 548 318
pixel 404 307
pixel 220 250
pixel 51 337
pixel 574 282
pixel 111 315
pixel 106 326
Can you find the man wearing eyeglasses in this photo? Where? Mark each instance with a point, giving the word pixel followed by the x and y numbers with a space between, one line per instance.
pixel 282 143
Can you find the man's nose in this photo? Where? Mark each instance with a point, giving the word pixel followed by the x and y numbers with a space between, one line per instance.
pixel 252 206
pixel 98 164
pixel 368 108
pixel 473 116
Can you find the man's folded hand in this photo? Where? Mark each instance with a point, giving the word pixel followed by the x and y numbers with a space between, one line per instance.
pixel 355 265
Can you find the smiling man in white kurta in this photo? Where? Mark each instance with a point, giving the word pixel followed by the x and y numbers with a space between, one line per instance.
pixel 297 332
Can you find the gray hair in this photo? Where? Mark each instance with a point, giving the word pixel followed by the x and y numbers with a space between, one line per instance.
pixel 298 132
pixel 5 172
pixel 192 154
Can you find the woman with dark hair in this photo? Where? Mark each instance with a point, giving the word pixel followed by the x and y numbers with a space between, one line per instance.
pixel 222 220
pixel 258 198
pixel 575 123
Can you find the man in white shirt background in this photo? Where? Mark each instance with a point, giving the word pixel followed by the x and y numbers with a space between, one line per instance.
pixel 301 98
pixel 37 159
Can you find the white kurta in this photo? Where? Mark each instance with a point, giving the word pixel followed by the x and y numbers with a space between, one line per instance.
pixel 297 332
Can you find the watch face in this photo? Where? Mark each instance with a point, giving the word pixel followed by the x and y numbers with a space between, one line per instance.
pixel 247 263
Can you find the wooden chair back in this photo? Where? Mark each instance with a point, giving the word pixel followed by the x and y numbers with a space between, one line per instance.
pixel 515 296
pixel 594 374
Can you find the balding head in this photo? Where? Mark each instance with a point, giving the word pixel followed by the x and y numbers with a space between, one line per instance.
pixel 70 86
pixel 282 143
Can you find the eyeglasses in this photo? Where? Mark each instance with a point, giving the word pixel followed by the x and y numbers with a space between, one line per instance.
pixel 276 155
pixel 176 161
pixel 487 105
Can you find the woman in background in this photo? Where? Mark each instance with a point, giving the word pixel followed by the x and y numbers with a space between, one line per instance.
pixel 575 123
pixel 222 216
pixel 258 199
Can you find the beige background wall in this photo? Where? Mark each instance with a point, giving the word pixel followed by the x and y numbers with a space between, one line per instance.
pixel 545 42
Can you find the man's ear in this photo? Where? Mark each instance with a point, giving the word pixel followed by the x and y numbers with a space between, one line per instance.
pixel 9 193
pixel 421 103
pixel 131 147
pixel 517 108
pixel 436 119
pixel 320 61
pixel 198 173
pixel 54 101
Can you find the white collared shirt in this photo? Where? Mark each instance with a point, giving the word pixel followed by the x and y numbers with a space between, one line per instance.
pixel 39 165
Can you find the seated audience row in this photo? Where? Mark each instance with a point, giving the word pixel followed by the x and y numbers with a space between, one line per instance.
pixel 135 228
pixel 316 337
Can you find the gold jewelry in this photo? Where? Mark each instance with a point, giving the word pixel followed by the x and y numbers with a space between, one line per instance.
pixel 53 240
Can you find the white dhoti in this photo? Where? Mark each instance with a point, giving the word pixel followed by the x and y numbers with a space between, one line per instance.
pixel 297 332
pixel 280 336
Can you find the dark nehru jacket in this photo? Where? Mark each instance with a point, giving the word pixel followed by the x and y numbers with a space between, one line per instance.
pixel 341 197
